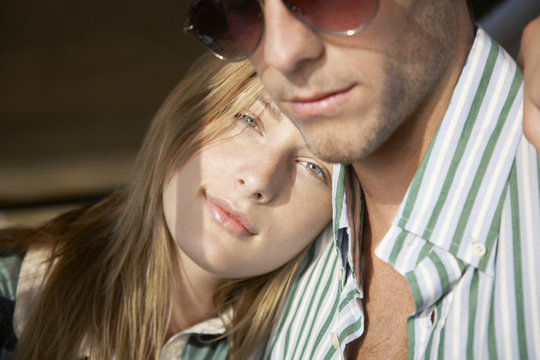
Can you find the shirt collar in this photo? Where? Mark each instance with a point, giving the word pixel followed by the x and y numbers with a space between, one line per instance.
pixel 174 347
pixel 345 236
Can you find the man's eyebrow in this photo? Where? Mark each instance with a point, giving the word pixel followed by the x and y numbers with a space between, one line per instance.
pixel 271 108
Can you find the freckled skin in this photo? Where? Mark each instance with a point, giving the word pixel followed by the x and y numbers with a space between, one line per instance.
pixel 262 170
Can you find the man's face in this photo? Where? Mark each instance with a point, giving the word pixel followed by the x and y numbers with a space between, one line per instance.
pixel 348 95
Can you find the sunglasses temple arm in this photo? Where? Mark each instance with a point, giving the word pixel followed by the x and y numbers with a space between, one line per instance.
pixel 188 27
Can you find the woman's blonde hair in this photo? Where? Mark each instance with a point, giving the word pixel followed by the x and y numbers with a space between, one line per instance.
pixel 110 286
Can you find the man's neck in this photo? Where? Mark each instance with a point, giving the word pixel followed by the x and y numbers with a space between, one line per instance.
pixel 386 174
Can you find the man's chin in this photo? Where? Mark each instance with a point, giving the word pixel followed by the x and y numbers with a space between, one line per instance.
pixel 338 151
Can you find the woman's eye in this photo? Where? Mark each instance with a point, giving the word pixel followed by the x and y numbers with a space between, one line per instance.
pixel 315 169
pixel 248 120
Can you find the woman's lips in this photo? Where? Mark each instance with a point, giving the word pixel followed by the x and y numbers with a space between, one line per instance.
pixel 320 104
pixel 234 222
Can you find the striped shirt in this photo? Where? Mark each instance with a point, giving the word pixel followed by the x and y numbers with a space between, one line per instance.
pixel 466 237
pixel 18 273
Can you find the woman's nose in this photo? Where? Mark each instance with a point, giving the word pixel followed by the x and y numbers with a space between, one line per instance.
pixel 262 178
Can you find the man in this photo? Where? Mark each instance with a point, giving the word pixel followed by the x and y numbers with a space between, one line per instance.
pixel 531 101
pixel 436 219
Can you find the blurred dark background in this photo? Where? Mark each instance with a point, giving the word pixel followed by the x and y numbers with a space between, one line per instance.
pixel 79 82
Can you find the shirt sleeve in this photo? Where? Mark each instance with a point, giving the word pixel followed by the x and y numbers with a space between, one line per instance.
pixel 10 266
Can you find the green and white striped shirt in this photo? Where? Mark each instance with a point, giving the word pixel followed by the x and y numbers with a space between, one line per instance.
pixel 466 237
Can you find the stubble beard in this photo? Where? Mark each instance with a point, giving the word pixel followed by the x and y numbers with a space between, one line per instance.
pixel 347 140
pixel 408 87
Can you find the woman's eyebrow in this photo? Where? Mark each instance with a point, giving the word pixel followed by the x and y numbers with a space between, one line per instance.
pixel 271 108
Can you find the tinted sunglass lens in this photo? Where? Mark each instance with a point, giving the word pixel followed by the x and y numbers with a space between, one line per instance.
pixel 233 28
pixel 228 28
pixel 337 16
pixel 245 22
pixel 211 28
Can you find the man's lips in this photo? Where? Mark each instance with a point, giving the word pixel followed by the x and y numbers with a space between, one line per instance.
pixel 232 221
pixel 320 104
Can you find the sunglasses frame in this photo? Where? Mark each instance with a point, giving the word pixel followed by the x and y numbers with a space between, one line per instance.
pixel 189 27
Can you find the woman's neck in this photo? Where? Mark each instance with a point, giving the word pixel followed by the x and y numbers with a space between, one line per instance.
pixel 193 299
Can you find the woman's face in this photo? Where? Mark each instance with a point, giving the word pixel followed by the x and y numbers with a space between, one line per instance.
pixel 248 203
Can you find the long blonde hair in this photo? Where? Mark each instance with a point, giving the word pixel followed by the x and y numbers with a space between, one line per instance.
pixel 109 288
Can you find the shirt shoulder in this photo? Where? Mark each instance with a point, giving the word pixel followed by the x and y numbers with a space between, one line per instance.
pixel 10 267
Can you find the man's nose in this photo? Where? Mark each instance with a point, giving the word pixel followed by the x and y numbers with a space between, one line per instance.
pixel 287 42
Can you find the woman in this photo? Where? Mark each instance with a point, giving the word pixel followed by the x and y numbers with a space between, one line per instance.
pixel 225 200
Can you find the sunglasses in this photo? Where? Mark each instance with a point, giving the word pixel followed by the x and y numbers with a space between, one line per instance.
pixel 232 29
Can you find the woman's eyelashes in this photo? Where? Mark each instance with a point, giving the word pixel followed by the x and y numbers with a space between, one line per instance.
pixel 249 121
pixel 315 170
pixel 253 123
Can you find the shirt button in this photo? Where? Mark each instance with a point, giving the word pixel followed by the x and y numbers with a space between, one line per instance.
pixel 478 249
pixel 340 274
pixel 335 340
